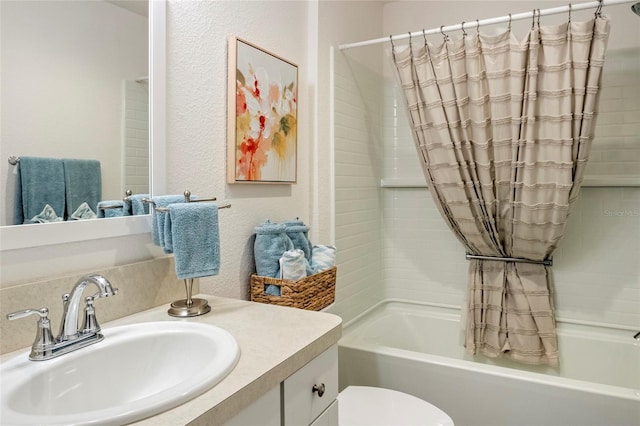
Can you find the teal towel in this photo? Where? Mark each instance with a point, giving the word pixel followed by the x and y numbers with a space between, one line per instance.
pixel 158 218
pixel 111 208
pixel 137 206
pixel 83 183
pixel 47 215
pixel 270 244
pixel 126 207
pixel 39 181
pixel 299 234
pixel 82 213
pixel 195 239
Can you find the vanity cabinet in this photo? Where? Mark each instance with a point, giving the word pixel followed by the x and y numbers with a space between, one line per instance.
pixel 308 397
pixel 308 392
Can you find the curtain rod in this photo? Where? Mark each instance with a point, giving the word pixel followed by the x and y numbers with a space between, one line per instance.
pixel 490 21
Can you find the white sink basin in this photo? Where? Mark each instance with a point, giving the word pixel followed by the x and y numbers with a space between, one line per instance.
pixel 137 371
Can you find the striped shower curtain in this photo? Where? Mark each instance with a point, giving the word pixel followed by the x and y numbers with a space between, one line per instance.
pixel 503 128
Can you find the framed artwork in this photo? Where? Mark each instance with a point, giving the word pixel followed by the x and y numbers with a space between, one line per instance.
pixel 262 128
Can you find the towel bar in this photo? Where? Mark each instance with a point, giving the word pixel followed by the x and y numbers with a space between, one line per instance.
pixel 165 209
pixel 187 199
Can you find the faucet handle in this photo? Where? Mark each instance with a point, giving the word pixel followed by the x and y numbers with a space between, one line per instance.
pixel 44 341
pixel 90 323
pixel 43 313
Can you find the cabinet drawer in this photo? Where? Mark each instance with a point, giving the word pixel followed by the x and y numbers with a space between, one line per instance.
pixel 329 417
pixel 302 403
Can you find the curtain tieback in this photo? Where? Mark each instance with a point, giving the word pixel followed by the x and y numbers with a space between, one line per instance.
pixel 545 262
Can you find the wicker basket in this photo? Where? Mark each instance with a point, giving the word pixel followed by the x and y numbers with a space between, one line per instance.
pixel 311 293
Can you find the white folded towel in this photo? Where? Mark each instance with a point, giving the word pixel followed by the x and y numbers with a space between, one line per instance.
pixel 293 265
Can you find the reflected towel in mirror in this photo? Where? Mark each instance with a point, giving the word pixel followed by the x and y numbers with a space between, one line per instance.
pixel 111 208
pixel 83 183
pixel 39 182
pixel 47 215
pixel 83 212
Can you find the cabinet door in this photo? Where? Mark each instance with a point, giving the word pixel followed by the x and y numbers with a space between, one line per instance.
pixel 265 411
pixel 310 390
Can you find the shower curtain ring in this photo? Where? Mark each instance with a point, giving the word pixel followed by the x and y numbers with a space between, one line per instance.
pixel 478 28
pixel 569 12
pixel 533 20
pixel 393 47
pixel 424 36
pixel 509 22
pixel 446 37
pixel 464 33
pixel 539 18
pixel 410 41
pixel 598 13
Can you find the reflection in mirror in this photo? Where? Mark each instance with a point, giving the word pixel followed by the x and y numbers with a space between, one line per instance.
pixel 75 85
pixel 31 236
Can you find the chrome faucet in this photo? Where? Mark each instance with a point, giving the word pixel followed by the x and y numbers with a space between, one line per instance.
pixel 70 338
pixel 71 304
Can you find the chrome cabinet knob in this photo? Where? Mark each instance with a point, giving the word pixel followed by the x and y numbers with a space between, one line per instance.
pixel 319 389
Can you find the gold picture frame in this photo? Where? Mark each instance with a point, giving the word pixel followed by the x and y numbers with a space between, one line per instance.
pixel 262 115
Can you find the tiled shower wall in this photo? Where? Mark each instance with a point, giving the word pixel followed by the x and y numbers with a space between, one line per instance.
pixel 596 269
pixel 358 196
pixel 136 137
pixel 616 150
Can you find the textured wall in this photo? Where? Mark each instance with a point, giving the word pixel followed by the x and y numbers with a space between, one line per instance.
pixel 197 112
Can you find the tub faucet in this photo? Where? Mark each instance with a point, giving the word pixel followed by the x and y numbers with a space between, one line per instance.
pixel 70 339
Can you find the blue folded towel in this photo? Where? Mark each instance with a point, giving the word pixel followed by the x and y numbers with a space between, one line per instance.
pixel 270 244
pixel 137 206
pixel 299 234
pixel 83 183
pixel 39 181
pixel 111 208
pixel 158 218
pixel 322 258
pixel 47 215
pixel 195 239
pixel 83 212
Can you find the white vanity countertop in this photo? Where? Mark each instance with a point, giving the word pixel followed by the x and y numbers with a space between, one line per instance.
pixel 274 343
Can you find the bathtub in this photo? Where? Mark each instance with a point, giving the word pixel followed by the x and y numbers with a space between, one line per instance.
pixel 415 348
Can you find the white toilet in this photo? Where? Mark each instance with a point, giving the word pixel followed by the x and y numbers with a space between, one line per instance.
pixel 369 406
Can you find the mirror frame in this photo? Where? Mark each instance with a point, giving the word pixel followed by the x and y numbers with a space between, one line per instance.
pixel 37 235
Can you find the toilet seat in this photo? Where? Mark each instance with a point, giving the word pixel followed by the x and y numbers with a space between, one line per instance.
pixel 370 406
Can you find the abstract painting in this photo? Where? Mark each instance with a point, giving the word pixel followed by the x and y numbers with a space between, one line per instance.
pixel 262 116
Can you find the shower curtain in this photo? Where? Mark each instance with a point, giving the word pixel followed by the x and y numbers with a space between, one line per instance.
pixel 503 129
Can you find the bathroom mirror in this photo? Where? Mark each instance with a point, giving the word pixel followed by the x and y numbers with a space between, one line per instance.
pixel 23 236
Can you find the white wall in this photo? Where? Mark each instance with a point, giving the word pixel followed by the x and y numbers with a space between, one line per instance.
pixel 196 124
pixel 596 270
pixel 62 72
